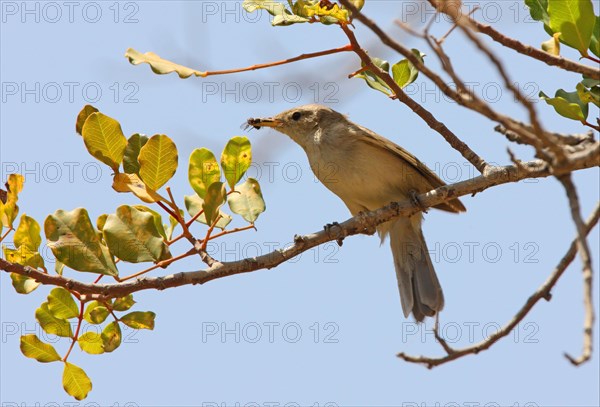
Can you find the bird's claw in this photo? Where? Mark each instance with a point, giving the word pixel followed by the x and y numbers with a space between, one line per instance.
pixel 414 197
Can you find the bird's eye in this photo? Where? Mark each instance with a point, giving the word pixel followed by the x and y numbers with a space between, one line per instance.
pixel 296 116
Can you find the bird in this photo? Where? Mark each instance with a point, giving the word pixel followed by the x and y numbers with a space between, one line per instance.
pixel 367 171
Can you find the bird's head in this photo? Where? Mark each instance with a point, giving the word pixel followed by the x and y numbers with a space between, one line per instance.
pixel 300 123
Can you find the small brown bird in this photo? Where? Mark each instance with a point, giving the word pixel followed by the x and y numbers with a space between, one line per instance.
pixel 367 172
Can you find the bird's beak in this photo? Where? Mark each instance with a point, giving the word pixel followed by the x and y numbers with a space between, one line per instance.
pixel 257 123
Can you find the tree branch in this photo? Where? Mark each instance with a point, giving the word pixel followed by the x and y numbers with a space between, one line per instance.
pixel 361 224
pixel 535 53
pixel 543 292
pixel 584 253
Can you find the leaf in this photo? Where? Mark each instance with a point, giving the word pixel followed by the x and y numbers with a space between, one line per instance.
pixel 101 221
pixel 214 199
pixel 52 325
pixel 32 347
pixel 59 267
pixel 22 284
pixel 552 46
pixel 172 224
pixel 61 304
pixel 160 66
pixel 158 161
pixel 24 257
pixel 281 15
pixel 131 235
pixel 74 242
pixel 123 303
pixel 9 209
pixel 193 204
pixel 28 234
pixel 104 139
pixel 373 80
pixel 75 382
pixel 236 159
pixel 132 183
pixel 567 104
pixel 316 9
pixel 590 82
pixel 203 170
pixel 82 117
pixel 588 95
pixel 111 336
pixel 404 72
pixel 139 320
pixel 595 41
pixel 157 219
pixel 247 200
pixel 95 312
pixel 91 342
pixel 574 20
pixel 130 159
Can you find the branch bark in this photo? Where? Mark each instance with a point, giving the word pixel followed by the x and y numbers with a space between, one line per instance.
pixel 361 224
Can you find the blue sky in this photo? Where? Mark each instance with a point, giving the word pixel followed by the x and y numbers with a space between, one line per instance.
pixel 323 328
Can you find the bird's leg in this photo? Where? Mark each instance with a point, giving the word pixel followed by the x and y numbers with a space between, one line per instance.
pixel 330 226
pixel 414 197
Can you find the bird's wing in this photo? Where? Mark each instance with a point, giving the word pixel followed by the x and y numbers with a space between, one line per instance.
pixel 378 141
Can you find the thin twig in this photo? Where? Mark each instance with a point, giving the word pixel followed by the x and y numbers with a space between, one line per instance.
pixel 536 53
pixel 282 62
pixel 543 292
pixel 584 253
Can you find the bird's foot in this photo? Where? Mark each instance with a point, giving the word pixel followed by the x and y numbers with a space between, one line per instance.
pixel 414 197
pixel 329 226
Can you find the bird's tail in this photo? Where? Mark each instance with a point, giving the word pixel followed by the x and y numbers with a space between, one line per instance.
pixel 420 289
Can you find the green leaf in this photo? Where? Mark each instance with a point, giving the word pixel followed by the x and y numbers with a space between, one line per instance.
pixel 123 303
pixel 161 66
pixel 193 204
pixel 32 347
pixel 75 243
pixel 373 80
pixel 91 342
pixel 172 224
pixel 95 313
pixel 22 284
pixel 82 117
pixel 214 199
pixel 28 234
pixel 139 320
pixel 52 325
pixel 131 235
pixel 111 336
pixel 157 219
pixel 588 95
pixel 59 267
pixel 567 104
pixel 574 20
pixel 281 15
pixel 135 143
pixel 24 257
pixel 590 82
pixel 404 72
pixel 203 170
pixel 9 209
pixel 61 304
pixel 595 41
pixel 132 183
pixel 104 139
pixel 247 200
pixel 538 10
pixel 236 159
pixel 158 161
pixel 75 382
